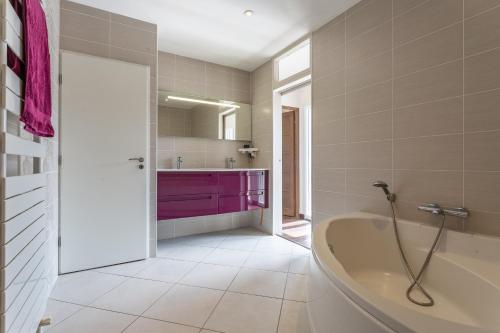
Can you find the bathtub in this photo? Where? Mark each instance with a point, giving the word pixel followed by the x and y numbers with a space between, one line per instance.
pixel 357 284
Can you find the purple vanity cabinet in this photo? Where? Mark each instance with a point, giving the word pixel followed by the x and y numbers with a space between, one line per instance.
pixel 199 193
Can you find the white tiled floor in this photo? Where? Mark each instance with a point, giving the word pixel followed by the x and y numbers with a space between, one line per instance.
pixel 234 282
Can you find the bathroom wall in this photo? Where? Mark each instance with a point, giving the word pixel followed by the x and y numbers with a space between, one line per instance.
pixel 96 32
pixel 202 79
pixel 408 92
pixel 262 133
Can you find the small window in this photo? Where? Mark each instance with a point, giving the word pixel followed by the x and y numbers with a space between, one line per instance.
pixel 296 61
pixel 229 126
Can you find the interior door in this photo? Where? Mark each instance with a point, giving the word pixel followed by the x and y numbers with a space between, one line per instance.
pixel 103 194
pixel 290 159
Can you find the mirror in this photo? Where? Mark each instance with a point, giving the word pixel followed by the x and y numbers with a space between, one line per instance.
pixel 189 116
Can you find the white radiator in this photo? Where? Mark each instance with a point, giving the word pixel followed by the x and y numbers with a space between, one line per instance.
pixel 23 232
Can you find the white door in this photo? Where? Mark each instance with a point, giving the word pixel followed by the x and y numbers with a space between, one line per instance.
pixel 103 195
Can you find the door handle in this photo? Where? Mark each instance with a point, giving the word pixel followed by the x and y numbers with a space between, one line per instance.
pixel 138 159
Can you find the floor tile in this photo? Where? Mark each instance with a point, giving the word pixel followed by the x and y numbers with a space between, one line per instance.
pixel 134 296
pixel 239 313
pixel 259 282
pixel 90 320
pixel 275 245
pixel 84 287
pixel 145 325
pixel 294 318
pixel 298 250
pixel 58 311
pixel 243 243
pixel 211 276
pixel 269 261
pixel 206 240
pixel 299 265
pixel 227 257
pixel 185 305
pixel 296 287
pixel 129 269
pixel 167 270
pixel 182 252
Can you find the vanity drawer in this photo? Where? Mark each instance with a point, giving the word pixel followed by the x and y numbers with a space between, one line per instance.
pixel 257 199
pixel 177 206
pixel 233 203
pixel 178 183
pixel 232 182
pixel 257 180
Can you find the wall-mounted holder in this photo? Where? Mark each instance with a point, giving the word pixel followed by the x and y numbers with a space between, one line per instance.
pixel 250 152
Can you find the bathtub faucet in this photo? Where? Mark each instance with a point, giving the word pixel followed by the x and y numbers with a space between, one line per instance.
pixel 383 185
pixel 436 209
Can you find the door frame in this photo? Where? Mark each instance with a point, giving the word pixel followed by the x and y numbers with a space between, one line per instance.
pixel 296 127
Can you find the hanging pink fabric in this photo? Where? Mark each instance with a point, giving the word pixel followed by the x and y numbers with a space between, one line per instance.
pixel 37 109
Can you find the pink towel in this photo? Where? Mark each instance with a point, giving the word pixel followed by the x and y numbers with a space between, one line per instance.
pixel 37 93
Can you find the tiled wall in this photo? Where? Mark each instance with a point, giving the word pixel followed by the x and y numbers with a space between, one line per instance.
pixel 262 132
pixel 408 92
pixel 96 32
pixel 202 79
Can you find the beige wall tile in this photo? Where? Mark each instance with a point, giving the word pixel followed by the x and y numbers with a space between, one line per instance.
pixel 330 180
pixel 481 111
pixel 370 15
pixel 375 205
pixel 372 155
pixel 328 202
pixel 374 98
pixel 481 151
pixel 359 181
pixel 429 85
pixel 374 70
pixel 84 27
pixel 439 47
pixel 134 57
pixel 330 85
pixel 76 7
pixel 330 132
pixel 136 24
pixel 434 118
pixel 83 46
pixel 402 6
pixel 482 72
pixel 218 75
pixel 442 152
pixel 482 191
pixel 126 36
pixel 332 156
pixel 330 36
pixel 370 43
pixel 482 32
pixel 330 108
pixel 426 18
pixel 166 64
pixel 444 187
pixel 373 126
pixel 328 62
pixel 475 7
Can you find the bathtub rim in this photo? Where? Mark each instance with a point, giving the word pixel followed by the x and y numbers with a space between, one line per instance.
pixel 393 315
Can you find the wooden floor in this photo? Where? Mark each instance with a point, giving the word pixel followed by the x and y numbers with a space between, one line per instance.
pixel 297 231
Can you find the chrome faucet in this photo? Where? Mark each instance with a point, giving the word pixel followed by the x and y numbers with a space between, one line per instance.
pixel 230 162
pixel 436 209
pixel 179 162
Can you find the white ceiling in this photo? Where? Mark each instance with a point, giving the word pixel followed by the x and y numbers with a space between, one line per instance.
pixel 217 31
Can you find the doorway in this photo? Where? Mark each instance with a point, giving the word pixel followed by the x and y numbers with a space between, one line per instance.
pixel 296 165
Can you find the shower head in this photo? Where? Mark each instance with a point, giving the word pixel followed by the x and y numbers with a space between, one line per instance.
pixel 383 185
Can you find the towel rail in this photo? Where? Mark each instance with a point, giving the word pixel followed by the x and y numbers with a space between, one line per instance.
pixel 24 259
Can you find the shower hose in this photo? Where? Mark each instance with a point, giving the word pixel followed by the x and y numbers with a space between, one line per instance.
pixel 416 280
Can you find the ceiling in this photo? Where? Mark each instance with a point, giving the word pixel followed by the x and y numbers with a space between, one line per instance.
pixel 217 31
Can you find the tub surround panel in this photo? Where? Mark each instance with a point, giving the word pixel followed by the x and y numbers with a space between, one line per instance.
pixel 409 91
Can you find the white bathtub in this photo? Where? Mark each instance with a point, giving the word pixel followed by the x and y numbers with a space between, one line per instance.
pixel 361 286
